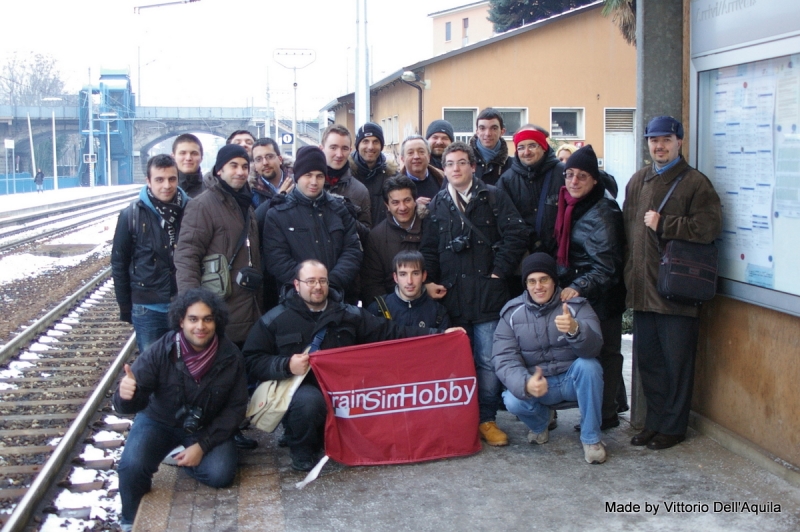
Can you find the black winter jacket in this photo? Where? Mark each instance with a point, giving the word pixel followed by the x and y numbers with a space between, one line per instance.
pixel 374 180
pixel 596 254
pixel 164 385
pixel 385 241
pixel 192 184
pixel 422 312
pixel 300 229
pixel 472 295
pixel 490 171
pixel 142 263
pixel 524 185
pixel 290 327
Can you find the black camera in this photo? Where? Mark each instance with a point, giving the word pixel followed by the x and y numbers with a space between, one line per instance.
pixel 191 418
pixel 460 243
pixel 249 278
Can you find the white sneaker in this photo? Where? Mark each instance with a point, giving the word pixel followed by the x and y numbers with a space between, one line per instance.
pixel 594 453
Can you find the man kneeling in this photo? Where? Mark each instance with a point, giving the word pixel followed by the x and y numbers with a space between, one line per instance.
pixel 190 389
pixel 545 352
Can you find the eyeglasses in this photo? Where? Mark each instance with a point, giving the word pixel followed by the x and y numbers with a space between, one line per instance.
pixel 528 147
pixel 314 282
pixel 462 163
pixel 544 281
pixel 580 176
pixel 266 158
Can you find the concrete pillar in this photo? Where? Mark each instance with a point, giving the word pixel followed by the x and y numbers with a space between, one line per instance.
pixel 659 91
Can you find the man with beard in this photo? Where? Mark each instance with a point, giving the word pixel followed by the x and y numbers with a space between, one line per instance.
pixel 369 165
pixel 188 389
pixel 312 224
pixel 491 151
pixel 439 135
pixel 142 254
pixel 214 223
pixel 311 310
pixel 533 182
pixel 188 154
pixel 271 177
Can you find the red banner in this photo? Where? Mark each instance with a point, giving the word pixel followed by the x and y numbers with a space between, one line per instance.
pixel 399 401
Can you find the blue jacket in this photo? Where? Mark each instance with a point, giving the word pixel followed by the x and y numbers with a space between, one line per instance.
pixel 422 312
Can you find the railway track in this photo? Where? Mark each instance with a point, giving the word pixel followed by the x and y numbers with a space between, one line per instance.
pixel 59 226
pixel 51 400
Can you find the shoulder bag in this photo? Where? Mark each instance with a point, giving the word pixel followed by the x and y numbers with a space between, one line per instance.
pixel 687 271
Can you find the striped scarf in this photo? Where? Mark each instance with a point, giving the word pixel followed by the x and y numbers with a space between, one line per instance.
pixel 198 362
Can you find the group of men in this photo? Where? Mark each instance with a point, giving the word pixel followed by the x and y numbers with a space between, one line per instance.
pixel 435 244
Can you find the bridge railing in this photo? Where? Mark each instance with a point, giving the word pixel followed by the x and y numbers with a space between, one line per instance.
pixel 39 112
pixel 194 113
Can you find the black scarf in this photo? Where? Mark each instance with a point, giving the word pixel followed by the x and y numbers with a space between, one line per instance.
pixel 243 197
pixel 333 176
pixel 171 213
pixel 365 171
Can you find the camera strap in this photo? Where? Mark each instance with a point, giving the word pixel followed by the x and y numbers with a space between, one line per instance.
pixel 242 239
pixel 473 228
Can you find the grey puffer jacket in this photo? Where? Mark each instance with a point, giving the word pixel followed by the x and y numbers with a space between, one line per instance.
pixel 526 337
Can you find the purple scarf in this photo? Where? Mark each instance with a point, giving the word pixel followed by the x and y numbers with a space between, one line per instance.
pixel 198 362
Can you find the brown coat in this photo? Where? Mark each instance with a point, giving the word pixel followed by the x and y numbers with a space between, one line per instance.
pixel 214 224
pixel 692 213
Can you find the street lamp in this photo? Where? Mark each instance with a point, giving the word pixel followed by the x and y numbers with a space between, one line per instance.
pixel 107 118
pixel 411 78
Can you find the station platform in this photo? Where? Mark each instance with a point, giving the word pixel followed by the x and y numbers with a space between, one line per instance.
pixel 697 485
pixel 12 205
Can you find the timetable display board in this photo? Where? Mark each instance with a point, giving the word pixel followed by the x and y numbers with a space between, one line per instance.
pixel 749 146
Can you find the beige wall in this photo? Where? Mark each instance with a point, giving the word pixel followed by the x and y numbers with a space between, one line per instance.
pixel 748 372
pixel 580 61
pixel 479 28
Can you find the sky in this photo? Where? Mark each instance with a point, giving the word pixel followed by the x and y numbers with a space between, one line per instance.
pixel 219 53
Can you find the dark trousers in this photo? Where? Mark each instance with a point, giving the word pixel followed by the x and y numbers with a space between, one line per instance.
pixel 148 442
pixel 611 361
pixel 304 422
pixel 665 348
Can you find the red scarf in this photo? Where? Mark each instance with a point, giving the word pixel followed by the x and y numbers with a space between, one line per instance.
pixel 566 205
pixel 198 362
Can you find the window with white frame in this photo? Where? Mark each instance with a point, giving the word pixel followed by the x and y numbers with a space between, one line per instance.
pixel 463 121
pixel 513 118
pixel 396 129
pixel 448 31
pixel 567 123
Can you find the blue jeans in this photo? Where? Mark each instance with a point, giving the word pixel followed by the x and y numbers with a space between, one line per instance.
pixel 148 442
pixel 582 382
pixel 150 325
pixel 482 335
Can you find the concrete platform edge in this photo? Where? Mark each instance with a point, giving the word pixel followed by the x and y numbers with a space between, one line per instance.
pixel 745 448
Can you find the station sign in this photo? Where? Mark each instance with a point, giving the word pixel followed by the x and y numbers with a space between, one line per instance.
pixel 287 138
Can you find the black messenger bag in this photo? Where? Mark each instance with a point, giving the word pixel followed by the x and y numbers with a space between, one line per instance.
pixel 687 271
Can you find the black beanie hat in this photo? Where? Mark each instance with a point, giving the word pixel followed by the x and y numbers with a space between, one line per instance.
pixel 538 262
pixel 226 153
pixel 310 158
pixel 370 129
pixel 441 126
pixel 586 160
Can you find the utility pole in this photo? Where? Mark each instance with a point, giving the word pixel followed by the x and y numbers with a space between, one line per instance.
pixel 90 95
pixel 362 65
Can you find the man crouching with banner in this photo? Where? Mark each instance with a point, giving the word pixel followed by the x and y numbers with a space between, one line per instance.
pixel 311 317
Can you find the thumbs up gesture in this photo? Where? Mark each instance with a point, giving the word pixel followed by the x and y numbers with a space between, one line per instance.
pixel 565 323
pixel 537 384
pixel 127 387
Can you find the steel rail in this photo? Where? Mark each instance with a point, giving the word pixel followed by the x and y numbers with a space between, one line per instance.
pixel 10 349
pixel 47 477
pixel 64 216
pixel 64 207
pixel 26 240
